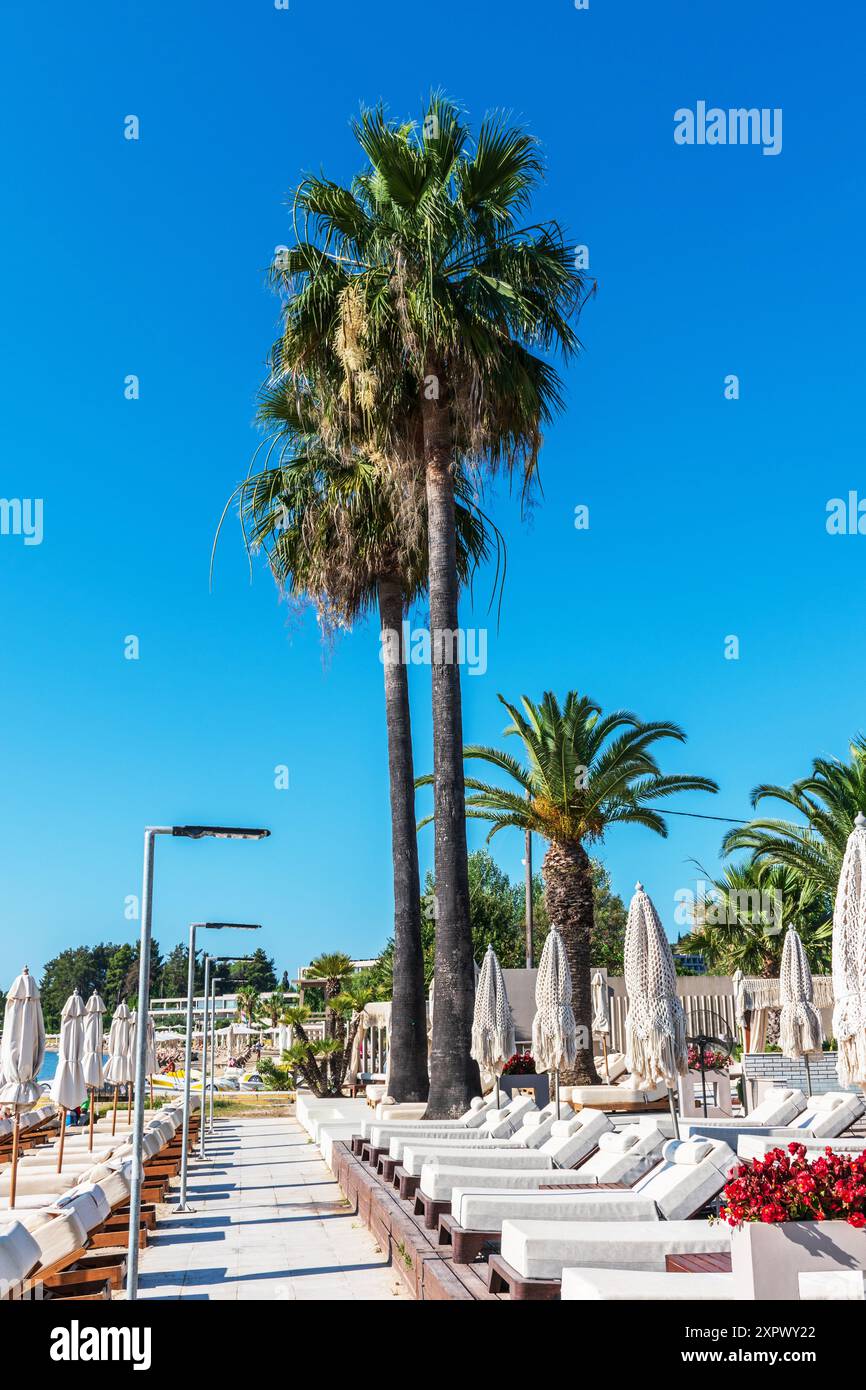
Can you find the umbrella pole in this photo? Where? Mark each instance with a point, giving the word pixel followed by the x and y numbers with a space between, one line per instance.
pixel 16 1129
pixel 606 1062
pixel 673 1105
pixel 556 1080
pixel 129 1106
pixel 808 1075
pixel 62 1137
pixel 114 1113
pixel 91 1109
pixel 496 1074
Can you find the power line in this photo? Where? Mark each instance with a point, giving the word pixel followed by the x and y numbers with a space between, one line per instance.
pixel 696 815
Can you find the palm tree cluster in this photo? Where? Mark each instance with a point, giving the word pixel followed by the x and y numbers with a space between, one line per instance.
pixel 420 310
pixel 797 861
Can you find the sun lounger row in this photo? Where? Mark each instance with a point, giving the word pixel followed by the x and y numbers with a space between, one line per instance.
pixel 51 1225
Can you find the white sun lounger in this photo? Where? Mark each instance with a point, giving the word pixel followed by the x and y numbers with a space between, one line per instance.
pixel 495 1124
pixel 636 1286
pixel 538 1251
pixel 531 1131
pixel 19 1256
pixel 822 1117
pixel 759 1145
pixel 478 1110
pixel 620 1096
pixel 569 1142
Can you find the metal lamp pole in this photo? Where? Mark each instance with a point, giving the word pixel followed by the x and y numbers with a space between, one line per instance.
pixel 194 927
pixel 188 832
pixel 201 1128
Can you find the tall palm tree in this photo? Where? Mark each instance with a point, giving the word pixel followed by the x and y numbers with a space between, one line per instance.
pixel 334 528
pixel 585 772
pixel 424 267
pixel 827 800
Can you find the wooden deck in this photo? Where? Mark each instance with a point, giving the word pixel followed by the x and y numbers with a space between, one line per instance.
pixel 425 1266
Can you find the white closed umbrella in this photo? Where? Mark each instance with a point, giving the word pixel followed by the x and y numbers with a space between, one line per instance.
pixel 800 1030
pixel 118 1068
pixel 150 1047
pixel 492 1020
pixel 554 1030
pixel 655 1025
pixel 600 1015
pixel 849 960
pixel 21 1056
pixel 91 1062
pixel 68 1090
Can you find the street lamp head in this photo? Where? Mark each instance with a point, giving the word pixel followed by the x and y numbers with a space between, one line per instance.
pixel 227 926
pixel 218 832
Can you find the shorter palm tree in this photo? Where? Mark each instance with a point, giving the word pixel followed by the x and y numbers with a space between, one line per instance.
pixel 248 1004
pixel 827 801
pixel 740 923
pixel 585 773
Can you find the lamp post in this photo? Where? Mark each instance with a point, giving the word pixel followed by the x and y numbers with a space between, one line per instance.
pixel 194 927
pixel 186 832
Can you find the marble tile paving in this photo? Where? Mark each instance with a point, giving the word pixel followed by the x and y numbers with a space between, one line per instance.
pixel 270 1222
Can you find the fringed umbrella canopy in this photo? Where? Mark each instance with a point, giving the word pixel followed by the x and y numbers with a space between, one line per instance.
pixel 600 1016
pixel 91 1062
pixel 23 1042
pixel 68 1089
pixel 492 1021
pixel 655 1025
pixel 849 959
pixel 800 1030
pixel 118 1068
pixel 554 1031
pixel 150 1053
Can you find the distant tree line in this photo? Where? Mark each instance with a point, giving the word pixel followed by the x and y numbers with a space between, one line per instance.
pixel 112 970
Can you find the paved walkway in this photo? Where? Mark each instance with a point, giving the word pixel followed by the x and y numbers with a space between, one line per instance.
pixel 270 1222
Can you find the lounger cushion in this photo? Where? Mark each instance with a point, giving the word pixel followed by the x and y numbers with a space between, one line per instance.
pixel 438 1182
pixel 58 1236
pixel 19 1254
pixel 612 1096
pixel 751 1146
pixel 617 1141
pixel 480 1209
pixel 542 1249
pixel 89 1203
pixel 681 1189
pixel 687 1150
pixel 580 1137
pixel 635 1286
pixel 416 1156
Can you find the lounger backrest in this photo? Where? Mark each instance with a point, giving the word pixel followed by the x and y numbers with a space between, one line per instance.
pixel 611 1068
pixel 19 1254
pixel 694 1172
pixel 780 1106
pixel 87 1201
pixel 534 1129
pixel 500 1123
pixel 830 1114
pixel 574 1139
pixel 477 1103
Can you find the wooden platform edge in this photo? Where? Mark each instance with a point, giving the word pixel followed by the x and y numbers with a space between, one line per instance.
pixel 425 1268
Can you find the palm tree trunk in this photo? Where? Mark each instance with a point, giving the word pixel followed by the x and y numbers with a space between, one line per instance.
pixel 408 1036
pixel 569 901
pixel 454 1075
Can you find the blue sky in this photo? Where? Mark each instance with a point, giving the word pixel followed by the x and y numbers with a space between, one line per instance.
pixel 707 516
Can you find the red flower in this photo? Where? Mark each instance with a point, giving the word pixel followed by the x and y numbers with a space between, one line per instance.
pixel 858 1219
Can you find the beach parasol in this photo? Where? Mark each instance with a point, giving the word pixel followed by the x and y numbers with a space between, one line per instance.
pixel 849 960
pixel 118 1068
pixel 21 1057
pixel 800 1029
pixel 150 1047
pixel 91 1062
pixel 655 1026
pixel 68 1089
pixel 554 1031
pixel 600 1016
pixel 492 1021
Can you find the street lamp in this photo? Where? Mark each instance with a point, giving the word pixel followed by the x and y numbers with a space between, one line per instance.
pixel 189 832
pixel 190 996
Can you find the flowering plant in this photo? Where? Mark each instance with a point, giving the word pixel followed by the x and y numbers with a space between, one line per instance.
pixel 520 1064
pixel 786 1186
pixel 713 1061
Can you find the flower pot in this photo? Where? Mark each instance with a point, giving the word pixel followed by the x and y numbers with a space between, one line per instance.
pixel 539 1082
pixel 767 1259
